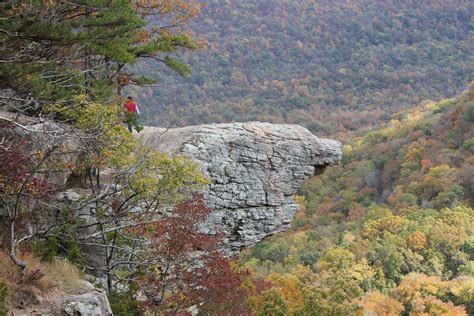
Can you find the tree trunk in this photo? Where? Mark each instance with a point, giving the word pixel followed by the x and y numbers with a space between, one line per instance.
pixel 22 264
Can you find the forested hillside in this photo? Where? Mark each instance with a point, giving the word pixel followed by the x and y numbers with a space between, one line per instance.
pixel 327 65
pixel 389 231
pixel 80 196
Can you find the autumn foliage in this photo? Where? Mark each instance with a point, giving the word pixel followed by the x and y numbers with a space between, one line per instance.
pixel 21 187
pixel 17 176
pixel 193 269
pixel 389 232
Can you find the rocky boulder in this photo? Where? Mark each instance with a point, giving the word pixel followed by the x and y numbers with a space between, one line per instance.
pixel 89 301
pixel 255 169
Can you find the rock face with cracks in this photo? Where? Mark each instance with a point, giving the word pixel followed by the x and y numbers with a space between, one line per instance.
pixel 255 169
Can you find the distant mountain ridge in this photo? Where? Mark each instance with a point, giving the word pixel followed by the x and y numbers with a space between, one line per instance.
pixel 329 66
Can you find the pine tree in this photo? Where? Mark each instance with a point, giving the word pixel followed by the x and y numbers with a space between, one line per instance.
pixel 52 50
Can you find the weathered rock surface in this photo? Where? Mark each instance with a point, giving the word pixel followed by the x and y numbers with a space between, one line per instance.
pixel 45 136
pixel 255 169
pixel 93 302
pixel 90 301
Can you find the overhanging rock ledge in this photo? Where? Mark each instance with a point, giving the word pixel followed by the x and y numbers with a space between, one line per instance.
pixel 255 169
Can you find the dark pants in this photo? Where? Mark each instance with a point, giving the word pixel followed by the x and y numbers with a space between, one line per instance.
pixel 132 120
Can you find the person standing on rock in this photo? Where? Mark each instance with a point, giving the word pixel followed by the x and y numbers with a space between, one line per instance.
pixel 131 114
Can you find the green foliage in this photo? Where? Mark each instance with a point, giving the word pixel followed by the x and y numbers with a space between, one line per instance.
pixel 116 148
pixel 54 50
pixel 123 303
pixel 336 259
pixel 272 304
pixel 273 252
pixel 468 145
pixel 468 247
pixel 49 249
pixel 332 296
pixel 179 67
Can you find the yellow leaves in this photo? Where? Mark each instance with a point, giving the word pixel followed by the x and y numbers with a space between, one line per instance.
pixel 462 289
pixel 442 171
pixel 300 238
pixel 38 154
pixel 301 214
pixel 336 259
pixel 461 216
pixel 94 115
pixel 361 271
pixel 376 304
pixel 415 286
pixel 251 264
pixel 415 152
pixel 165 177
pixel 446 237
pixel 391 224
pixel 435 306
pixel 151 174
pixel 50 3
pixel 348 238
pixel 303 273
pixel 394 122
pixel 347 149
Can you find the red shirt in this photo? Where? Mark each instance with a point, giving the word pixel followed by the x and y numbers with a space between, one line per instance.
pixel 130 106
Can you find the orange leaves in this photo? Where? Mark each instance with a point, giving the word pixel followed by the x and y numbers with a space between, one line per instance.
pixel 143 36
pixel 123 79
pixel 179 11
pixel 426 164
pixel 290 289
pixel 417 241
pixel 415 152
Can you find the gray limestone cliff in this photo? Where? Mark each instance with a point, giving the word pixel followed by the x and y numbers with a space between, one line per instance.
pixel 255 169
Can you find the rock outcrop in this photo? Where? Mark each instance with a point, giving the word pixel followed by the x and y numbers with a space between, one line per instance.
pixel 255 169
pixel 90 301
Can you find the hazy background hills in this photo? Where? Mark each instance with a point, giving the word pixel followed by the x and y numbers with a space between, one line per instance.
pixel 330 66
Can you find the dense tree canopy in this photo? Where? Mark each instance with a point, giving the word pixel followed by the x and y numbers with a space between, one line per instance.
pixel 327 65
pixel 388 232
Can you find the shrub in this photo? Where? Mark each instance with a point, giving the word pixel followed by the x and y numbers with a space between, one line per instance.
pixel 123 303
pixel 468 145
pixel 23 288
